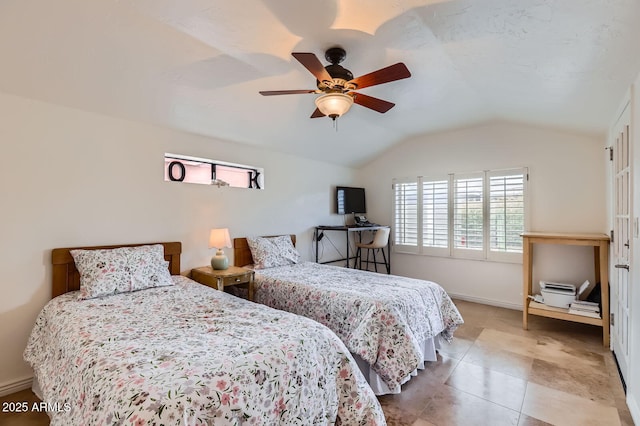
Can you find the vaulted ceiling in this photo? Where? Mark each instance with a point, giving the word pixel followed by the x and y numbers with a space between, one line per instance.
pixel 197 65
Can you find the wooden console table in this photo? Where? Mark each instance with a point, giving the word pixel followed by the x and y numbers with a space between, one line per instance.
pixel 600 244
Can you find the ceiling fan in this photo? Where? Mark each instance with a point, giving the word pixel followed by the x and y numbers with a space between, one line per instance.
pixel 338 86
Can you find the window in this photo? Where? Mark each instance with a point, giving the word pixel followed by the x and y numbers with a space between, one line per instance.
pixel 506 211
pixel 468 224
pixel 406 214
pixel 477 215
pixel 182 168
pixel 435 214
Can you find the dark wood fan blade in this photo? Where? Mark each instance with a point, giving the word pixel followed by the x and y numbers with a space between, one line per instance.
pixel 313 64
pixel 285 92
pixel 384 75
pixel 317 114
pixel 375 104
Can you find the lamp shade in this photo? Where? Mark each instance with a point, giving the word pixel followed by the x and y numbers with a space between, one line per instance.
pixel 334 104
pixel 219 238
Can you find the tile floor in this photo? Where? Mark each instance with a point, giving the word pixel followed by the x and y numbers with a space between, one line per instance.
pixel 495 373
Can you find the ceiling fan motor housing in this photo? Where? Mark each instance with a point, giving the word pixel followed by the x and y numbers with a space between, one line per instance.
pixel 338 73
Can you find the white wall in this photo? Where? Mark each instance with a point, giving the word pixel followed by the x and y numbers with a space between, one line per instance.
pixel 567 194
pixel 72 178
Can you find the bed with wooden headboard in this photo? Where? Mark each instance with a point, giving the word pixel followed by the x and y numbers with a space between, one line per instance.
pixel 171 351
pixel 242 253
pixel 65 275
pixel 361 307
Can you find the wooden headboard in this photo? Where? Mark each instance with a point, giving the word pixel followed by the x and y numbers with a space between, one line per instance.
pixel 66 278
pixel 242 252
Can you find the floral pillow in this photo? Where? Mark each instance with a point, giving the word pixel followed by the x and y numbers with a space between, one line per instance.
pixel 148 267
pixel 102 272
pixel 272 251
pixel 112 271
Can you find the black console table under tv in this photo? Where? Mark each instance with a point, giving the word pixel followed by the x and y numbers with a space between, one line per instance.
pixel 347 230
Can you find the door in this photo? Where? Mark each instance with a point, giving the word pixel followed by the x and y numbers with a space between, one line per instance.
pixel 621 242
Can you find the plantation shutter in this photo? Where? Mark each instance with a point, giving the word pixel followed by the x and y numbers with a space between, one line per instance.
pixel 468 230
pixel 435 214
pixel 473 215
pixel 405 215
pixel 506 210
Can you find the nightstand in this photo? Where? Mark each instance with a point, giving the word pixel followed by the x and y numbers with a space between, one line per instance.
pixel 219 279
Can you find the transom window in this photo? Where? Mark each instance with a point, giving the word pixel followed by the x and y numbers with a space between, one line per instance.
pixel 183 168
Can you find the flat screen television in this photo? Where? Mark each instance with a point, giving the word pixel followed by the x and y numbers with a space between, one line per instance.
pixel 350 200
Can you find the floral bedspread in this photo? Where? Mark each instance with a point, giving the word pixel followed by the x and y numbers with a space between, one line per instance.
pixel 190 355
pixel 382 318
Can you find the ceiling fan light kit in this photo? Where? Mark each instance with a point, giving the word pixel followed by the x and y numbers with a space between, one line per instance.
pixel 334 105
pixel 337 85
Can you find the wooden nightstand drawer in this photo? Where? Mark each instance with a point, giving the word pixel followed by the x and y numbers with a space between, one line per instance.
pixel 219 279
pixel 239 279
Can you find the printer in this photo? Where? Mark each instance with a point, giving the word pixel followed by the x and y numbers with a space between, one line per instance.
pixel 560 295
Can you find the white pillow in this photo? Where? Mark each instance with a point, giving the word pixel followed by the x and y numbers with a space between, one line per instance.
pixel 112 271
pixel 272 251
pixel 102 272
pixel 148 267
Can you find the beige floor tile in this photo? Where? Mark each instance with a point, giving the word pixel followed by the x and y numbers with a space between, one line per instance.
pixel 491 385
pixel 474 313
pixel 508 326
pixel 456 349
pixel 585 382
pixel 583 336
pixel 416 393
pixel 452 407
pixel 530 421
pixel 484 355
pixel 562 408
pixel 438 371
pixel 617 390
pixel 516 314
pixel 412 400
pixel 396 415
pixel 476 319
pixel 468 331
pixel 558 353
pixel 466 307
pixel 508 342
pixel 421 422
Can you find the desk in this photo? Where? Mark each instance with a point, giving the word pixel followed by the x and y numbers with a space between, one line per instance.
pixel 348 230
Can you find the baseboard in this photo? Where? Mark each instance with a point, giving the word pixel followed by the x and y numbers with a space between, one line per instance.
pixel 633 408
pixel 17 386
pixel 491 302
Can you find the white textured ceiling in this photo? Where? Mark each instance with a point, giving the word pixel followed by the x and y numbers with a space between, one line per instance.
pixel 197 65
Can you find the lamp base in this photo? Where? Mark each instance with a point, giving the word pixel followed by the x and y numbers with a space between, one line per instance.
pixel 220 261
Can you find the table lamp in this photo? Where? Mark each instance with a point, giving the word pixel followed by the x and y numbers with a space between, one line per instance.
pixel 219 238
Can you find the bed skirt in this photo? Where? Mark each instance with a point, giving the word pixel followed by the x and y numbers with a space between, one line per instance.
pixel 35 387
pixel 428 347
